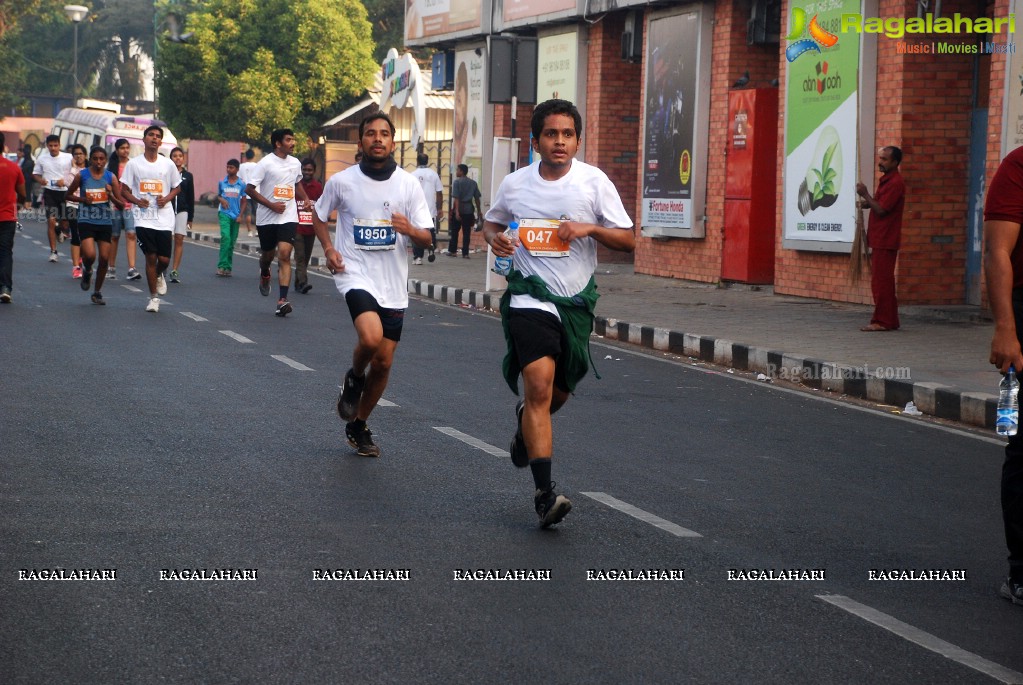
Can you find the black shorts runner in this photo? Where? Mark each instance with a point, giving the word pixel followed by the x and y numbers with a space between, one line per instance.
pixel 155 242
pixel 360 302
pixel 53 201
pixel 536 334
pixel 97 232
pixel 271 234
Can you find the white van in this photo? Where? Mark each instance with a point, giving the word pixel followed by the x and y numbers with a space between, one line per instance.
pixel 94 122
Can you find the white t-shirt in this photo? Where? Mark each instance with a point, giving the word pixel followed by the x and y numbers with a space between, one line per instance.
pixel 376 258
pixel 431 184
pixel 53 168
pixel 275 179
pixel 243 173
pixel 584 194
pixel 147 181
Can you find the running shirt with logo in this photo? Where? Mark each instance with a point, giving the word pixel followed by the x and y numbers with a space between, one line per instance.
pixel 275 179
pixel 53 169
pixel 233 193
pixel 375 255
pixel 148 181
pixel 244 171
pixel 96 189
pixel 584 194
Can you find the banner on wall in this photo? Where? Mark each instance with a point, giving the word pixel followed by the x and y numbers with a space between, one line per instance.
pixel 670 120
pixel 470 110
pixel 557 64
pixel 425 18
pixel 821 137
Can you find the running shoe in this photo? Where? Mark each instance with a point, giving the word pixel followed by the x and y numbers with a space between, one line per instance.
pixel 154 304
pixel 111 274
pixel 133 275
pixel 361 440
pixel 5 295
pixel 97 298
pixel 519 455
pixel 86 279
pixel 550 506
pixel 351 393
pixel 417 260
pixel 283 307
pixel 53 256
pixel 264 285
pixel 175 277
pixel 305 288
pixel 1012 591
pixel 161 285
pixel 76 271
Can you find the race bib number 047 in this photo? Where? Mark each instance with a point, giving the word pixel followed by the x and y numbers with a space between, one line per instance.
pixel 374 234
pixel 540 237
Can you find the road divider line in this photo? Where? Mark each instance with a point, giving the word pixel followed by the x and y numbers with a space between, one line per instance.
pixel 194 317
pixel 291 362
pixel 131 288
pixel 924 639
pixel 471 441
pixel 235 336
pixel 644 516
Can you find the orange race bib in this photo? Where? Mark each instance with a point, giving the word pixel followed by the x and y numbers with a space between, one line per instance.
pixel 151 186
pixel 540 238
pixel 284 193
pixel 96 194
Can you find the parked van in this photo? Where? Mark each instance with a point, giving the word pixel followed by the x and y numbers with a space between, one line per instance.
pixel 94 122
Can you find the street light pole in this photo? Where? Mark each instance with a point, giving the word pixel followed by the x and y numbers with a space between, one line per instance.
pixel 76 13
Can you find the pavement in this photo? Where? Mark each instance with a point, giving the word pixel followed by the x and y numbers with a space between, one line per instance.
pixel 937 360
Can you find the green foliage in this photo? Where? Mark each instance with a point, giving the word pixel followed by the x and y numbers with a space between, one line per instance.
pixel 824 186
pixel 255 65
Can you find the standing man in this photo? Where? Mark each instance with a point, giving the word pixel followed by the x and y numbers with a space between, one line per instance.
pixel 884 235
pixel 306 235
pixel 27 164
pixel 380 209
pixel 464 193
pixel 272 185
pixel 50 170
pixel 247 167
pixel 1003 264
pixel 564 208
pixel 231 196
pixel 430 182
pixel 151 182
pixel 12 193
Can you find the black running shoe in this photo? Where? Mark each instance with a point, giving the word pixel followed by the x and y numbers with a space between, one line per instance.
pixel 1012 591
pixel 97 298
pixel 362 440
pixel 86 282
pixel 550 506
pixel 519 455
pixel 351 393
pixel 283 307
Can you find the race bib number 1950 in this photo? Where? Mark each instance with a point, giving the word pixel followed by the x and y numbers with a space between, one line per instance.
pixel 374 234
pixel 540 237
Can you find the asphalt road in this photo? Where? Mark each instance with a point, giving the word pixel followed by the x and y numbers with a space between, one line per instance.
pixel 204 437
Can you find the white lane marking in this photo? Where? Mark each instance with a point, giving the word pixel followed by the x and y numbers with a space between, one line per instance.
pixel 131 288
pixel 924 639
pixel 381 402
pixel 644 516
pixel 291 362
pixel 471 441
pixel 193 317
pixel 239 338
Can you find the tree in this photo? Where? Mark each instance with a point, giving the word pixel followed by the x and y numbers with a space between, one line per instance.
pixel 252 66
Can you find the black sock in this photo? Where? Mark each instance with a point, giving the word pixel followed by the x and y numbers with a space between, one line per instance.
pixel 541 469
pixel 284 292
pixel 357 424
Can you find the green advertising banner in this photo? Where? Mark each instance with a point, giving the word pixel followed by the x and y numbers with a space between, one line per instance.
pixel 821 137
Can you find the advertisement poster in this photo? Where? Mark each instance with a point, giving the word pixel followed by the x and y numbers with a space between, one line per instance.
pixel 515 10
pixel 470 109
pixel 425 18
pixel 821 141
pixel 1012 137
pixel 557 65
pixel 673 59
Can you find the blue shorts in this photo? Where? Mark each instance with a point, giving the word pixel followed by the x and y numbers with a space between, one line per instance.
pixel 121 219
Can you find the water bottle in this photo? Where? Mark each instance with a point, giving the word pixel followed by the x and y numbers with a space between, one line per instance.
pixel 503 265
pixel 1007 419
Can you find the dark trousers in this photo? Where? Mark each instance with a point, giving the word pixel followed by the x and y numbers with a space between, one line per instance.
pixel 418 252
pixel 303 253
pixel 7 229
pixel 464 222
pixel 882 285
pixel 1012 478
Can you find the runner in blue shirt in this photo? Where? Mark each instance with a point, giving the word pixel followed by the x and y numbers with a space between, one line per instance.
pixel 231 196
pixel 93 189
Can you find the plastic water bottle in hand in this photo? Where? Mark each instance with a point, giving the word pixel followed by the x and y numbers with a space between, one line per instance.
pixel 1007 419
pixel 503 265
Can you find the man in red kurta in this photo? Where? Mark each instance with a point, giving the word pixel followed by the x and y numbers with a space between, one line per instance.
pixel 884 235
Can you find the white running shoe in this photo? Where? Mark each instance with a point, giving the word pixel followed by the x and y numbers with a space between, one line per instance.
pixel 154 304
pixel 53 256
pixel 161 285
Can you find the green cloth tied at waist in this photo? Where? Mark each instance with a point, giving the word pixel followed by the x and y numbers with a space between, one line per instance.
pixel 576 314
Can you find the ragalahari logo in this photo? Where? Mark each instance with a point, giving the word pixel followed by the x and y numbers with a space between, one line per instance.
pixel 818 36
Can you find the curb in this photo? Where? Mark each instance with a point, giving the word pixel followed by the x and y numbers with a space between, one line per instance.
pixel 934 399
